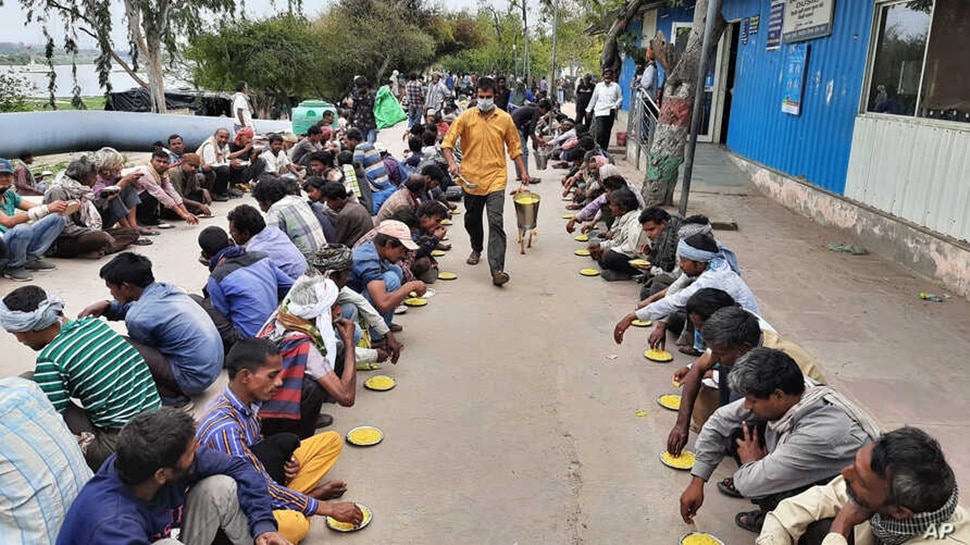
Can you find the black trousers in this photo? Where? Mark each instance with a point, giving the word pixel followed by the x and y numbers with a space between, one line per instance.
pixel 615 261
pixel 604 130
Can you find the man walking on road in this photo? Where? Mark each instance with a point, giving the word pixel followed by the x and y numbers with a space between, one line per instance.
pixel 485 133
pixel 607 97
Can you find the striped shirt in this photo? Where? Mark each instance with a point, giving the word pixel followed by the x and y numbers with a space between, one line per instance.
pixel 368 157
pixel 89 361
pixel 232 427
pixel 295 218
pixel 41 466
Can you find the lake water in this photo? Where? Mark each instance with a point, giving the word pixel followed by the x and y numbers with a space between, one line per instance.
pixel 87 78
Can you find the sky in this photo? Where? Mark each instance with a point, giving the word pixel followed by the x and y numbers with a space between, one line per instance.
pixel 12 19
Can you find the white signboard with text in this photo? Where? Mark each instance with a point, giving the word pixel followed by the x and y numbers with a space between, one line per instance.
pixel 807 19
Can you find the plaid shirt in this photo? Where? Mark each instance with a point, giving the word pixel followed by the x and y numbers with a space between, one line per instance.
pixel 415 94
pixel 295 218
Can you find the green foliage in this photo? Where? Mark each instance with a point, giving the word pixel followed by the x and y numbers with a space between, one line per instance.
pixel 13 93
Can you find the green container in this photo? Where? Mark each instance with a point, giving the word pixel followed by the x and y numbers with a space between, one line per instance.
pixel 310 112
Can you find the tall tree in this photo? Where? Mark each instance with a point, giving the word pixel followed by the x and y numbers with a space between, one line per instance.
pixel 680 88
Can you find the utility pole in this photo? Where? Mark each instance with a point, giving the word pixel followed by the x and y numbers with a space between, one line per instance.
pixel 527 60
pixel 553 79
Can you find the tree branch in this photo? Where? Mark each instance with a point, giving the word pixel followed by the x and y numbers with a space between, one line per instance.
pixel 134 75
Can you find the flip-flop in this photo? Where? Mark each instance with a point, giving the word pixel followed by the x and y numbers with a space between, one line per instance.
pixel 148 233
pixel 727 488
pixel 143 242
pixel 165 226
pixel 751 521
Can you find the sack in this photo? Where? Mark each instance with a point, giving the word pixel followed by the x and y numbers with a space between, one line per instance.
pixel 570 143
pixel 387 110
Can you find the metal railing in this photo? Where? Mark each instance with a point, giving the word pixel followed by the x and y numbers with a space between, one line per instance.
pixel 642 124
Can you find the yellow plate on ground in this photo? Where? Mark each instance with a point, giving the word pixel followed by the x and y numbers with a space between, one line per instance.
pixel 447 276
pixel 685 461
pixel 444 237
pixel 589 272
pixel 582 238
pixel 639 263
pixel 582 253
pixel 365 436
pixel 568 216
pixel 415 302
pixel 700 538
pixel 567 199
pixel 455 212
pixel 335 524
pixel 641 323
pixel 658 355
pixel 437 253
pixel 445 222
pixel 382 383
pixel 667 401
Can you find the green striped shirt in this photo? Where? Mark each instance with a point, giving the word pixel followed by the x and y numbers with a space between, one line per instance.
pixel 89 361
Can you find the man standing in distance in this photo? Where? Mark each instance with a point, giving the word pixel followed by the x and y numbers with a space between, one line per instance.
pixel 485 133
pixel 607 98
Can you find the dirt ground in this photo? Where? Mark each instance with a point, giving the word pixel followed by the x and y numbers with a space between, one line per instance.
pixel 515 419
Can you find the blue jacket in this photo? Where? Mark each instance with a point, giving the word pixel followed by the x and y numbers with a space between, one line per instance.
pixel 246 289
pixel 165 318
pixel 107 513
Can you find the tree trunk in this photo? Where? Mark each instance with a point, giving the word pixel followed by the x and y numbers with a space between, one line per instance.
pixel 673 127
pixel 156 75
pixel 149 45
pixel 610 57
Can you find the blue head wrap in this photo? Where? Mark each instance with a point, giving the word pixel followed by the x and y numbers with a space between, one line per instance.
pixel 48 312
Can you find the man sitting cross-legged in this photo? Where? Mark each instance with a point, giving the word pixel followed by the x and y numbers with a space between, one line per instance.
pixel 243 290
pixel 898 490
pixel 785 434
pixel 293 469
pixel 172 332
pixel 248 229
pixel 82 359
pixel 162 487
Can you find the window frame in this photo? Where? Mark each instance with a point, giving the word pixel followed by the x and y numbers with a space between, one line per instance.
pixel 875 33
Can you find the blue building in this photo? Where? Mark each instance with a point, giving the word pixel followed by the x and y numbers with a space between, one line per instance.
pixel 853 112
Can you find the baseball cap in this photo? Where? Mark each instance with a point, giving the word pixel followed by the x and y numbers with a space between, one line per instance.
pixel 5 167
pixel 398 230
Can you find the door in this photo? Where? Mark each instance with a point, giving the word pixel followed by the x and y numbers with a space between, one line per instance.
pixel 713 102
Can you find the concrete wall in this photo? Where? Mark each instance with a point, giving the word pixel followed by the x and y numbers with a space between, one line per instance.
pixel 942 258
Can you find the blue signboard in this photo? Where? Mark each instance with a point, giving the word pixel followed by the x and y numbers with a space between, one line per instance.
pixel 796 62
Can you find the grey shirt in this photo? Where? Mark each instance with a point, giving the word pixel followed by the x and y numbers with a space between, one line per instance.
pixel 821 440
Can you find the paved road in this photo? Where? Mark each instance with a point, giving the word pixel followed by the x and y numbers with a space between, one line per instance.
pixel 515 415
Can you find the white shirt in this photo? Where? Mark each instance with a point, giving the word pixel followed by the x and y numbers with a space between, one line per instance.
pixel 240 103
pixel 275 164
pixel 605 98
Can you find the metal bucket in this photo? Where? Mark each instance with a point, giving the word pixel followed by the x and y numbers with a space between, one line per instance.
pixel 542 158
pixel 526 209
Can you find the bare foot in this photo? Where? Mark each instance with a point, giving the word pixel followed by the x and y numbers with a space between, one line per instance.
pixel 329 490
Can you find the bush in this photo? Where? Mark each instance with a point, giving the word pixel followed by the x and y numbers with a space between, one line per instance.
pixel 13 93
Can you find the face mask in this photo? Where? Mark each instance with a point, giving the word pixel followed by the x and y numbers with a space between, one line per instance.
pixel 486 104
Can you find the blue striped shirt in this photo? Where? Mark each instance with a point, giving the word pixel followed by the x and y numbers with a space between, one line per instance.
pixel 41 466
pixel 232 427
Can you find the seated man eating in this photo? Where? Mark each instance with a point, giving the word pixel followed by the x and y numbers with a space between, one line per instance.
pixel 375 274
pixel 785 434
pixel 231 425
pixel 898 490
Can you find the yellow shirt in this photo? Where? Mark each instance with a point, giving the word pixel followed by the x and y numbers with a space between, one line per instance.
pixel 805 361
pixel 483 143
pixel 787 523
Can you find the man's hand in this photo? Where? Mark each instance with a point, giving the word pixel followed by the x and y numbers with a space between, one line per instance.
pixel 749 450
pixel 416 286
pixel 206 197
pixel 622 326
pixel 677 439
pixel 271 538
pixel 347 512
pixel 454 169
pixel 346 329
pixel 206 211
pixel 57 207
pixel 291 468
pixel 691 500
pixel 525 178
pixel 658 338
pixel 850 516
pixel 571 225
pixel 440 232
pixel 190 218
pixel 680 375
pixel 392 346
pixel 235 163
pixel 95 309
pixel 588 227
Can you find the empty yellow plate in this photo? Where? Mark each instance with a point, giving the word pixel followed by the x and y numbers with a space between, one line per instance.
pixel 382 383
pixel 567 199
pixel 667 401
pixel 639 263
pixel 658 355
pixel 700 538
pixel 365 436
pixel 589 272
pixel 415 302
pixel 447 276
pixel 582 253
pixel 437 253
pixel 445 222
pixel 684 461
pixel 568 216
pixel 582 238
pixel 641 323
pixel 335 524
pixel 455 212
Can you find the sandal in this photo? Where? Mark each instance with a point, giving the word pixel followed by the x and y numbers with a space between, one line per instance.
pixel 689 350
pixel 751 521
pixel 727 488
pixel 143 242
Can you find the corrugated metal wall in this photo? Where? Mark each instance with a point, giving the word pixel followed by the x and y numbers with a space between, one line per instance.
pixel 914 170
pixel 816 144
pixel 629 67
